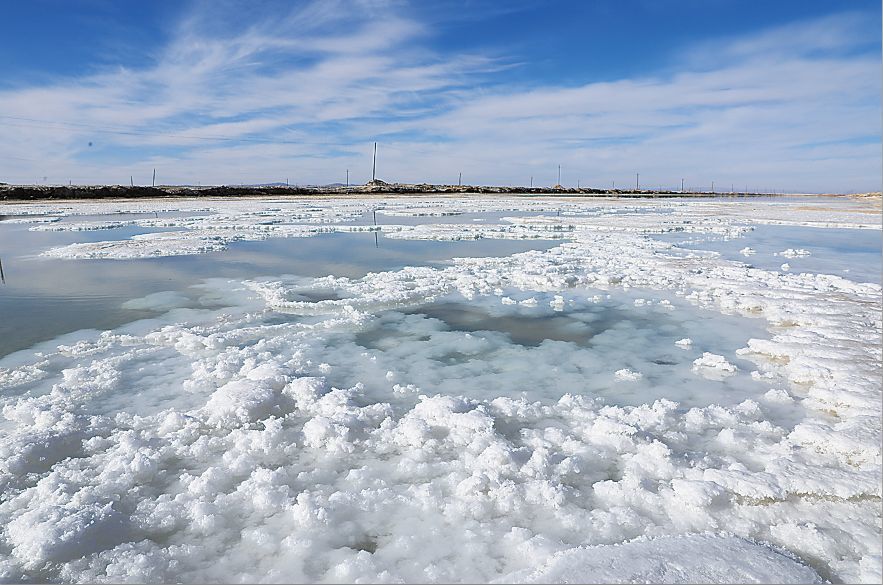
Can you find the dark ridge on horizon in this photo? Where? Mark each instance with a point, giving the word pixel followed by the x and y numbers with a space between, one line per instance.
pixel 44 192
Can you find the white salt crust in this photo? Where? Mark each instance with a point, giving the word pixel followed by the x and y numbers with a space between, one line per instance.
pixel 215 449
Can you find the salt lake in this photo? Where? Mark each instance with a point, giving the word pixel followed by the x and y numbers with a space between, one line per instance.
pixel 436 389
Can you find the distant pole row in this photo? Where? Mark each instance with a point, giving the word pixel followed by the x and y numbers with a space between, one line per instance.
pixel 460 179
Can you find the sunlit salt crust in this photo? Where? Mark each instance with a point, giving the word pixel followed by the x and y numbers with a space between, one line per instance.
pixel 208 445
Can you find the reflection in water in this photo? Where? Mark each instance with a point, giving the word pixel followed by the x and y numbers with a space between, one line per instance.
pixel 50 297
pixel 530 328
pixel 482 348
pixel 854 254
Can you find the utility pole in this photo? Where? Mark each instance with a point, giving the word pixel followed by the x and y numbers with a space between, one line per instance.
pixel 347 177
pixel 131 181
pixel 682 185
pixel 637 181
pixel 153 184
pixel 460 180
pixel 559 175
pixel 531 181
pixel 712 186
pixel 374 166
pixel 614 185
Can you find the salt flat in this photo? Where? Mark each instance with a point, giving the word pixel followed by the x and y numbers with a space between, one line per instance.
pixel 629 388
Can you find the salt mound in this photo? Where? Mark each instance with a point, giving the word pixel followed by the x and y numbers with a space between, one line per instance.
pixel 695 558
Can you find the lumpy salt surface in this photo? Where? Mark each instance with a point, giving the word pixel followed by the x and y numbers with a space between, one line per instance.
pixel 441 389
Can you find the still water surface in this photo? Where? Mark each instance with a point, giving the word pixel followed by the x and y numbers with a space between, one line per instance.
pixel 42 298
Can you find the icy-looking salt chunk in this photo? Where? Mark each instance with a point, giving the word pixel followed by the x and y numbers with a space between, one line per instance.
pixel 747 251
pixel 713 366
pixel 786 267
pixel 557 303
pixel 695 558
pixel 628 375
pixel 160 300
pixel 794 253
pixel 684 343
pixel 778 395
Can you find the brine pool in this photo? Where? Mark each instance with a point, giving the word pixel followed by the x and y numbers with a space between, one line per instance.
pixel 851 253
pixel 438 390
pixel 42 298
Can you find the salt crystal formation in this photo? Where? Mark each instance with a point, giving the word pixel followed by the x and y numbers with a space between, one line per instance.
pixel 219 447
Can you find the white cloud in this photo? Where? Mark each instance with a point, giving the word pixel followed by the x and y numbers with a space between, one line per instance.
pixel 306 94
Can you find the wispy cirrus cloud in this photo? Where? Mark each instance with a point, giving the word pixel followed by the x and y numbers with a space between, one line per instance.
pixel 302 95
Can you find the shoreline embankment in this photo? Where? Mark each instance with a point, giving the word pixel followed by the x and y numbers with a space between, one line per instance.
pixel 68 192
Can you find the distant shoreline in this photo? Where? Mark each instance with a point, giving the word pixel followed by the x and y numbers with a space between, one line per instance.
pixel 89 192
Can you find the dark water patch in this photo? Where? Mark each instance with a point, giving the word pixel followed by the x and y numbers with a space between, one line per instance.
pixel 529 327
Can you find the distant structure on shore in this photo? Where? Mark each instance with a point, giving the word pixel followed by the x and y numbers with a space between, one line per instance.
pixel 375 186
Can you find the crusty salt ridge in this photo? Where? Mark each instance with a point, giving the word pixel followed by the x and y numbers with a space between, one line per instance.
pixel 701 559
pixel 215 446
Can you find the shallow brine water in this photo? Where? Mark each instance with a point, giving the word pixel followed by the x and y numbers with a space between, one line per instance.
pixel 42 298
pixel 471 389
pixel 851 253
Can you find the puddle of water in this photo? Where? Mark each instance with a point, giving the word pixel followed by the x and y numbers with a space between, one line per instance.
pixel 491 217
pixel 851 253
pixel 482 348
pixel 43 298
pixel 355 255
pixel 101 217
pixel 524 327
pixel 129 216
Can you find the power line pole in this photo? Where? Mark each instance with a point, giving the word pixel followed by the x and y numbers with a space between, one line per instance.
pixel 374 167
pixel 559 175
pixel 153 184
pixel 531 181
pixel 712 186
pixel 347 177
pixel 460 180
pixel 131 181
pixel 637 181
pixel 682 185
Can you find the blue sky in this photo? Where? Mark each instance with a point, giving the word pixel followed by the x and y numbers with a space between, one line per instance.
pixel 769 95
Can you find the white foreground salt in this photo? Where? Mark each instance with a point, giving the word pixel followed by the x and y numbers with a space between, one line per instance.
pixel 667 559
pixel 215 445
